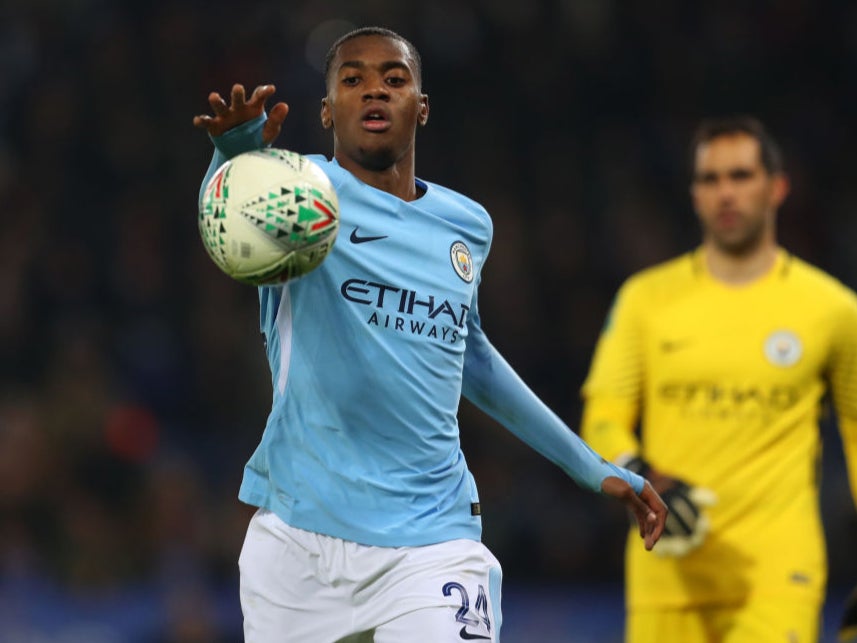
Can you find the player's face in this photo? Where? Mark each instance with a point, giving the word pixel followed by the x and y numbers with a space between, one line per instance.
pixel 374 103
pixel 735 197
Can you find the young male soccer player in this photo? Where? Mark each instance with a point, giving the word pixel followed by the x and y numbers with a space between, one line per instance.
pixel 368 526
pixel 724 355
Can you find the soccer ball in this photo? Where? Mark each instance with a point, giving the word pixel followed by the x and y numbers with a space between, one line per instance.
pixel 268 216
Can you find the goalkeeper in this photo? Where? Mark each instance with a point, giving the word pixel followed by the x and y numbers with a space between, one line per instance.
pixel 708 379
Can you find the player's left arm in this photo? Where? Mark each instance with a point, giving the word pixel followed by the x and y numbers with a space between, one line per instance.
pixel 842 375
pixel 848 430
pixel 842 378
pixel 493 386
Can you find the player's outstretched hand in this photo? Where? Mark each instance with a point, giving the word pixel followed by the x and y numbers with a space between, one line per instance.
pixel 687 524
pixel 240 109
pixel 848 626
pixel 648 509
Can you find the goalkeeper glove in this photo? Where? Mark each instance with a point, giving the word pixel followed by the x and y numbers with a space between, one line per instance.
pixel 848 626
pixel 687 523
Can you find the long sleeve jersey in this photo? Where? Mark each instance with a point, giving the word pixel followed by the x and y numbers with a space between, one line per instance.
pixel 370 354
pixel 723 387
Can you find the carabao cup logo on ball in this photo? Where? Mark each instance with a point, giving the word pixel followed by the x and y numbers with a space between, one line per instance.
pixel 268 216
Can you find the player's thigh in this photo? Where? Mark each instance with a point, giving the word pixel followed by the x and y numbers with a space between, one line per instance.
pixel 281 594
pixel 436 624
pixel 758 621
pixel 773 621
pixel 449 592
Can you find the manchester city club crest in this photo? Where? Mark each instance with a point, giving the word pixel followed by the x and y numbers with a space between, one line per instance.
pixel 783 348
pixel 462 260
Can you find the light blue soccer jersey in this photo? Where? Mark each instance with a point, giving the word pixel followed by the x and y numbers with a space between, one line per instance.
pixel 370 354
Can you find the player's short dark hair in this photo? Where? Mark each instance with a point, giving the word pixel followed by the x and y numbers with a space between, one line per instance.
pixel 374 31
pixel 711 128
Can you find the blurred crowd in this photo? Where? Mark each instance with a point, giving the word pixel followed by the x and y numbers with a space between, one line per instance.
pixel 133 382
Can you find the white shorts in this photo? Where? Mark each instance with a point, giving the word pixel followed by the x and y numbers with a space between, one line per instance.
pixel 299 586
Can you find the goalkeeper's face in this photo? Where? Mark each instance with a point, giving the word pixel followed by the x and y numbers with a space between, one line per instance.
pixel 374 103
pixel 733 194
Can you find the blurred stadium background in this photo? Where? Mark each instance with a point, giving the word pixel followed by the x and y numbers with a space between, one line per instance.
pixel 134 384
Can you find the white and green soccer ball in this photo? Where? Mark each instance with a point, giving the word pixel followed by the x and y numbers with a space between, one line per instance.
pixel 268 216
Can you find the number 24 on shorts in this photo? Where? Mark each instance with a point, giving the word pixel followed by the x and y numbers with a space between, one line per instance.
pixel 470 619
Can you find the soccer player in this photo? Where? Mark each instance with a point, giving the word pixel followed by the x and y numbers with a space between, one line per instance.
pixel 708 379
pixel 369 526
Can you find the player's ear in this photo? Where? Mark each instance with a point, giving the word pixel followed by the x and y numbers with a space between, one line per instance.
pixel 422 117
pixel 780 188
pixel 326 116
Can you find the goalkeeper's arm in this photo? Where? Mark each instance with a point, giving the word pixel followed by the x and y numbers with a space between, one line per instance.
pixel 687 523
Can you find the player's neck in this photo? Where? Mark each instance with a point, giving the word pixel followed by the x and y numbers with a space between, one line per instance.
pixel 739 269
pixel 399 179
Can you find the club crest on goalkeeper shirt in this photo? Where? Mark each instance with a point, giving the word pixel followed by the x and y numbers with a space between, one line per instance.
pixel 783 348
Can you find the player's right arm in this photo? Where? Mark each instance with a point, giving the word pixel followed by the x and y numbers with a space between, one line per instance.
pixel 241 124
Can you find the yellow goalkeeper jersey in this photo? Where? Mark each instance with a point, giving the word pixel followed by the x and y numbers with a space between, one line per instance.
pixel 726 385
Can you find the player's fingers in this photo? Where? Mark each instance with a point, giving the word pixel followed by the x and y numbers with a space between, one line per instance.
pixel 274 124
pixel 278 112
pixel 261 94
pixel 657 512
pixel 643 515
pixel 217 104
pixel 202 121
pixel 239 98
pixel 653 531
pixel 270 132
pixel 647 523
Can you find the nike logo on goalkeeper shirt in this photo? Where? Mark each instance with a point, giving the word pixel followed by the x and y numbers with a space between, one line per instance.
pixel 670 346
pixel 355 238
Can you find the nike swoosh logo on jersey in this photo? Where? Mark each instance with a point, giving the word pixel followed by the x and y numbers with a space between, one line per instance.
pixel 355 238
pixel 669 346
pixel 467 636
